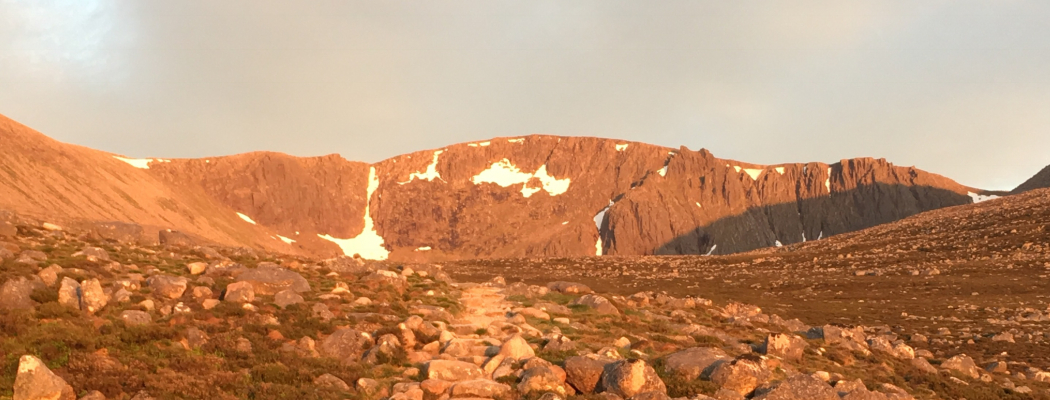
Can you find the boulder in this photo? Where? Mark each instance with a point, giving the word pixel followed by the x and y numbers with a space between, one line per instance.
pixel 921 364
pixel 69 293
pixel 963 364
pixel 268 279
pixel 627 378
pixel 35 381
pixel 541 376
pixel 93 395
pixel 239 292
pixel 16 293
pixel 345 344
pixel 171 287
pixel 196 268
pixel 92 297
pixel 480 388
pixel 49 275
pixel 585 372
pixel 332 382
pixel 286 298
pixel 452 371
pixel 598 303
pixel 135 317
pixel 800 386
pixel 93 252
pixel 516 347
pixel 569 287
pixel 690 364
pixel 741 375
pixel 788 347
pixel 168 237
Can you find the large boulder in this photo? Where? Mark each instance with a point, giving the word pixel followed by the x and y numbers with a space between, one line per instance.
pixel 16 293
pixel 480 388
pixel 92 297
pixel 963 364
pixel 239 292
pixel 286 298
pixel 800 387
pixel 690 364
pixel 541 376
pixel 741 375
pixel 331 381
pixel 36 382
pixel 788 347
pixel 268 279
pixel 627 378
pixel 171 287
pixel 135 317
pixel 598 303
pixel 585 372
pixel 569 287
pixel 69 293
pixel 345 344
pixel 517 348
pixel 452 371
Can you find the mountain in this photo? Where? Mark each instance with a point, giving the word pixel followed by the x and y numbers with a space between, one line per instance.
pixel 1038 181
pixel 533 196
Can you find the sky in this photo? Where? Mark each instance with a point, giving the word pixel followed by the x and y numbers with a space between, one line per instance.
pixel 959 88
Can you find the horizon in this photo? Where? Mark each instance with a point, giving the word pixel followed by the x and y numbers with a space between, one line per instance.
pixel 959 89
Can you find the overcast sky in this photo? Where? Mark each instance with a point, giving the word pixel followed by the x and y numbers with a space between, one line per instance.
pixel 960 88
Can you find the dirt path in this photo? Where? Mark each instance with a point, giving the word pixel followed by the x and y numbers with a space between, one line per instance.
pixel 483 304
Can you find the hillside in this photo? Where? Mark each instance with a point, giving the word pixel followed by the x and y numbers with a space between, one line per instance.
pixel 1038 181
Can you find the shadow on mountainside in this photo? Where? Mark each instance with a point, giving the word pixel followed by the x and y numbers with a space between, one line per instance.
pixel 809 219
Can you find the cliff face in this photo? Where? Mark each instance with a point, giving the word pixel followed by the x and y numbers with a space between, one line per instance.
pixel 535 196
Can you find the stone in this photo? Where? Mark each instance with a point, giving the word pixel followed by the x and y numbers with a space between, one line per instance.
pixel 452 371
pixel 962 364
pixel 690 364
pixel 171 287
pixel 93 395
pixel 135 317
pixel 320 310
pixel 287 297
pixel 96 253
pixel 196 268
pixel 332 382
pixel 923 365
pixel 367 385
pixel 69 293
pixel 92 297
pixel 585 372
pixel 627 378
pixel 201 292
pixel 480 388
pixel 600 304
pixel 800 386
pixel 17 293
pixel 345 344
pixel 788 347
pixel 209 304
pixel 569 287
pixel 268 279
pixel 740 375
pixel 435 387
pixel 35 381
pixel 239 292
pixel 997 367
pixel 540 376
pixel 516 347
pixel 49 275
pixel 196 338
pixel 243 345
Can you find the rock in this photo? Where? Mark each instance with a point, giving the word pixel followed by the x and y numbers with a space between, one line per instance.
pixel 800 386
pixel 69 293
pixel 598 303
pixel 997 367
pixel 121 296
pixel 135 317
pixel 367 385
pixel 386 346
pixel 569 287
pixel 49 275
pixel 201 292
pixel 627 378
pixel 96 253
pixel 268 279
pixel 622 342
pixel 788 347
pixel 345 344
pixel 243 345
pixel 516 347
pixel 321 311
pixel 453 371
pixel 93 395
pixel 239 292
pixel 92 298
pixel 690 364
pixel 287 297
pixel 585 372
pixel 741 310
pixel 16 293
pixel 541 376
pixel 196 338
pixel 171 287
pixel 331 381
pixel 740 375
pixel 35 381
pixel 480 388
pixel 209 304
pixel 196 268
pixel 963 364
pixel 921 364
pixel 435 387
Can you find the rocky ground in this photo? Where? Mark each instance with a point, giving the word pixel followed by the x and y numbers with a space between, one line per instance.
pixel 82 317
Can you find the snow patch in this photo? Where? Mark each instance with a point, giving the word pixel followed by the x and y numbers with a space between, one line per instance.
pixel 505 174
pixel 600 216
pixel 565 223
pixel 518 140
pixel 430 174
pixel 777 243
pixel 368 244
pixel 698 205
pixel 621 147
pixel 424 248
pixel 803 237
pixel 977 198
pixel 827 182
pixel 754 173
pixel 663 171
pixel 598 247
pixel 780 170
pixel 737 168
pixel 286 240
pixel 821 235
pixel 481 144
pixel 709 252
pixel 246 219
pixel 141 163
